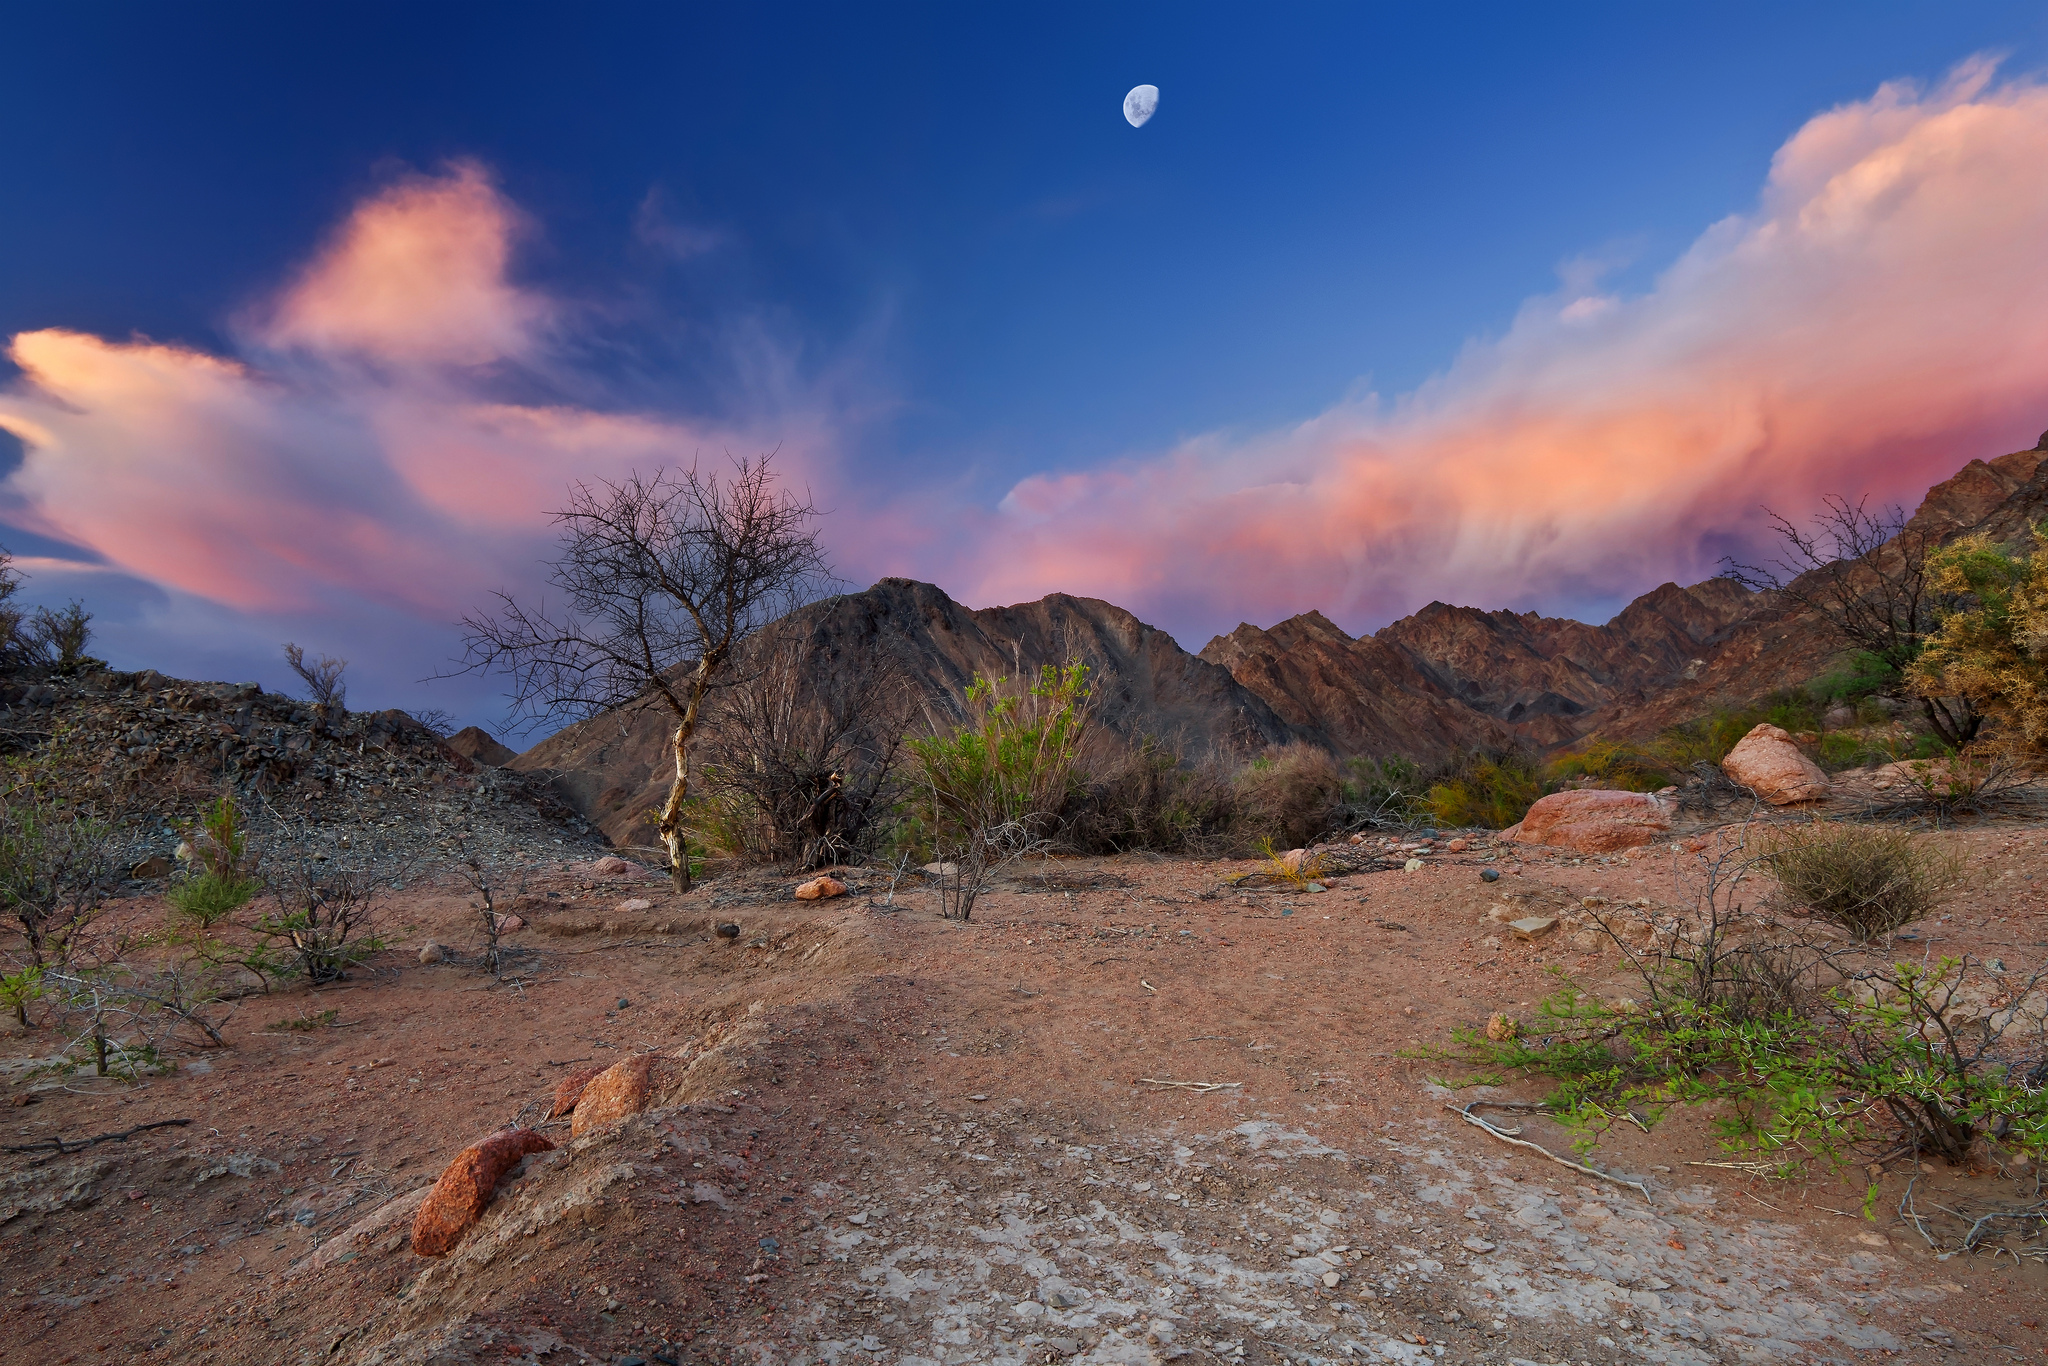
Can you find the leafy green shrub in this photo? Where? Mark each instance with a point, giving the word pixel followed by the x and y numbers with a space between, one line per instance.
pixel 1290 796
pixel 221 883
pixel 1869 879
pixel 1613 764
pixel 997 787
pixel 1485 789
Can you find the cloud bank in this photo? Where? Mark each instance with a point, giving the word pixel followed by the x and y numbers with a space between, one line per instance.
pixel 1880 318
pixel 371 461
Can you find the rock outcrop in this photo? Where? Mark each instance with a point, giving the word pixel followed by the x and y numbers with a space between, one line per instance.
pixel 476 743
pixel 1767 762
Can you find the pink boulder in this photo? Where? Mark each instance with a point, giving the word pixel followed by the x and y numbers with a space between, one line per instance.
pixel 464 1190
pixel 821 889
pixel 1768 763
pixel 1593 821
pixel 610 866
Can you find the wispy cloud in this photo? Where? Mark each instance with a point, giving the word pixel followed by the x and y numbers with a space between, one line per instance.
pixel 356 466
pixel 1879 317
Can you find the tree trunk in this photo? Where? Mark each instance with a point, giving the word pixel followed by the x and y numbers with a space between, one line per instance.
pixel 671 825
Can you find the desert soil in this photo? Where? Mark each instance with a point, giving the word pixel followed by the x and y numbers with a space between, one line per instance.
pixel 934 1142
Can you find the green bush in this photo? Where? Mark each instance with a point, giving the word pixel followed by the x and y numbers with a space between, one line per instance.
pixel 1612 764
pixel 1869 879
pixel 219 883
pixel 1493 790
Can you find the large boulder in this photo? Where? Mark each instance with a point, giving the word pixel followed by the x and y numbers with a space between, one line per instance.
pixel 1594 821
pixel 1768 763
pixel 459 1198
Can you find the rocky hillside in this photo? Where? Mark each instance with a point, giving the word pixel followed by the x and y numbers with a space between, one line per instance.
pixel 151 750
pixel 1441 681
pixel 616 768
pixel 1449 677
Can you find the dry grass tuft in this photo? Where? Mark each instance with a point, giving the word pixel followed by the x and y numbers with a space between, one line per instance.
pixel 1869 879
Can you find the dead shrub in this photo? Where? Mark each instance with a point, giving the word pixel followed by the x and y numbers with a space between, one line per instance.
pixel 1290 795
pixel 1142 795
pixel 1871 880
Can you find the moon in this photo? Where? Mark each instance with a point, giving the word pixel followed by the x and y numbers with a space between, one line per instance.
pixel 1140 103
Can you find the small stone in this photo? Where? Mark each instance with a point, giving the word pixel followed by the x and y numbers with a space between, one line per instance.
pixel 431 952
pixel 821 889
pixel 633 906
pixel 610 866
pixel 1333 1279
pixel 1501 1027
pixel 977 1098
pixel 1477 1245
pixel 1066 1347
pixel 1458 846
pixel 728 930
pixel 1489 875
pixel 1533 926
pixel 858 1220
pixel 1412 865
pixel 508 924
pixel 623 1003
pixel 941 869
pixel 154 866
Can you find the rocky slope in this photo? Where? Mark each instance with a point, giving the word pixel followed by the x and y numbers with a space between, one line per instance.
pixel 1444 680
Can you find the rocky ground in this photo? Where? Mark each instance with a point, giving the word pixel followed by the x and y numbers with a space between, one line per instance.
pixel 1138 1110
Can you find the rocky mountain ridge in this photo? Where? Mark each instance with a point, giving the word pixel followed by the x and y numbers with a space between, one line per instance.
pixel 1444 680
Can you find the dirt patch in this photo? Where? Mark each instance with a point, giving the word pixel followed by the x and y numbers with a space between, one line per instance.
pixel 944 1143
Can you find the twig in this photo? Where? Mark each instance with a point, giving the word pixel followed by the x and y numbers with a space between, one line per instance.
pixel 1470 1118
pixel 1198 1038
pixel 58 1145
pixel 1148 986
pixel 1200 1087
pixel 1754 1168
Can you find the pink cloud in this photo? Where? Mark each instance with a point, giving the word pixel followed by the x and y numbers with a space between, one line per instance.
pixel 357 457
pixel 1880 318
pixel 417 274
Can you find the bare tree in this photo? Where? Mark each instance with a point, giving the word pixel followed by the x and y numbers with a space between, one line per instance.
pixel 322 678
pixel 665 578
pixel 1864 574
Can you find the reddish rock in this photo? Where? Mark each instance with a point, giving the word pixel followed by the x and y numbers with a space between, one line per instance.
pixel 633 906
pixel 821 889
pixel 1594 821
pixel 646 1081
pixel 464 1190
pixel 570 1088
pixel 1767 762
pixel 611 865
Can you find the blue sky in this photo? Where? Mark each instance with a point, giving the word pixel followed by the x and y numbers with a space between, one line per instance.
pixel 930 223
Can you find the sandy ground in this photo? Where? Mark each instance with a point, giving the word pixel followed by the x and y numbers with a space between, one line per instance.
pixel 936 1143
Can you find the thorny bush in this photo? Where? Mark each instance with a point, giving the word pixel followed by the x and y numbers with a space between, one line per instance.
pixel 1809 1049
pixel 1869 879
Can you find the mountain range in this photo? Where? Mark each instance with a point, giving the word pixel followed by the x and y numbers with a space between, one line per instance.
pixel 1444 680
